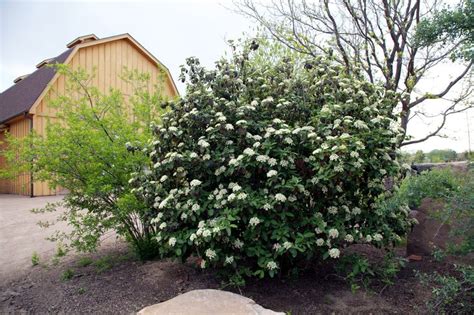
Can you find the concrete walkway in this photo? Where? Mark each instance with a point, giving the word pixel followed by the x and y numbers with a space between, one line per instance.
pixel 20 234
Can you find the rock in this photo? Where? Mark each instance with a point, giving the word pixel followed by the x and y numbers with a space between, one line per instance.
pixel 207 302
pixel 429 233
pixel 415 258
pixel 462 166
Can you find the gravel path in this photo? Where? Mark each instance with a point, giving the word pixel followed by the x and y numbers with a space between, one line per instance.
pixel 20 234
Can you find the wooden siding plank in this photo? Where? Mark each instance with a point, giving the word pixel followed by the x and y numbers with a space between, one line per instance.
pixel 95 61
pixel 113 63
pixel 107 79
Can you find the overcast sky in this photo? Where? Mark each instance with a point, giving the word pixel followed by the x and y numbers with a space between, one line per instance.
pixel 172 30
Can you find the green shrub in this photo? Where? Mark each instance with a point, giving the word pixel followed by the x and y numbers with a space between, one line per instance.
pixel 455 189
pixel 439 156
pixel 60 250
pixel 388 205
pixel 436 184
pixel 270 162
pixel 85 152
pixel 459 212
pixel 357 270
pixel 67 274
pixel 450 294
pixel 35 259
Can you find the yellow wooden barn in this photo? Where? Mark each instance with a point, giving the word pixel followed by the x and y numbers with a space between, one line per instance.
pixel 24 106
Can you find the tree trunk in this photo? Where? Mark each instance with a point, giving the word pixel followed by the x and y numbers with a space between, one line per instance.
pixel 405 115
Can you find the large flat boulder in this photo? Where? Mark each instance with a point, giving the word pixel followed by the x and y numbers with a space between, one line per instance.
pixel 429 233
pixel 207 302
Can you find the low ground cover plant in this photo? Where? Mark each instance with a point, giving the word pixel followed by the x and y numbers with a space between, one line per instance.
pixel 68 274
pixel 271 160
pixel 359 272
pixel 451 294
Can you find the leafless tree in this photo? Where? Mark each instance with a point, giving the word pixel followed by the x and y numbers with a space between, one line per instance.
pixel 374 35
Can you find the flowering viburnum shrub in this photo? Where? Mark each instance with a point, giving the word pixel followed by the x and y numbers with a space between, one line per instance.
pixel 268 163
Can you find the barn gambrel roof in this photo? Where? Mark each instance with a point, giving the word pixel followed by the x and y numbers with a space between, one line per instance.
pixel 21 98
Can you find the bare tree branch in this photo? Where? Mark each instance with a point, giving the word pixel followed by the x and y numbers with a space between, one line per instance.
pixel 376 36
pixel 445 91
pixel 446 113
pixel 451 110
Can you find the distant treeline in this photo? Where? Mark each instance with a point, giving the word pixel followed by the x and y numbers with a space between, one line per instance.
pixel 437 156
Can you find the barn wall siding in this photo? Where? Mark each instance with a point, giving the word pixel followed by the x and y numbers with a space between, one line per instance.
pixel 4 184
pixel 21 185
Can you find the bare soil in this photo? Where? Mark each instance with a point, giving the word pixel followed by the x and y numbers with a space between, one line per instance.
pixel 114 282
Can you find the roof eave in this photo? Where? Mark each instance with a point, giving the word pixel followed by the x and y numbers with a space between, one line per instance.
pixel 5 122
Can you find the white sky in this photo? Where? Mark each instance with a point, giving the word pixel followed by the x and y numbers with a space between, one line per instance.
pixel 172 30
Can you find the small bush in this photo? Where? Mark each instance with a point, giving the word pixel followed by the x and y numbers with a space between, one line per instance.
pixel 436 184
pixel 35 259
pixel 456 190
pixel 268 163
pixel 60 251
pixel 459 212
pixel 357 270
pixel 451 294
pixel 67 274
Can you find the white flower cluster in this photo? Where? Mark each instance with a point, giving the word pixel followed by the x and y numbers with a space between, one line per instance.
pixel 254 221
pixel 333 233
pixel 172 241
pixel 280 197
pixel 211 254
pixel 203 143
pixel 334 253
pixel 195 183
pixel 272 173
pixel 271 265
pixel 249 152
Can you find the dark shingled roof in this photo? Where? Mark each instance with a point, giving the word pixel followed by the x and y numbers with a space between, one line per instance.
pixel 19 98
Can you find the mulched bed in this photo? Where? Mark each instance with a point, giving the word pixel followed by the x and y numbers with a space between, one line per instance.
pixel 118 284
